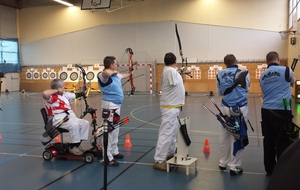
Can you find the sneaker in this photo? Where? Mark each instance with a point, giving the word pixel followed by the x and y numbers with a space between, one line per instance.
pixel 222 168
pixel 237 171
pixel 75 150
pixel 81 149
pixel 111 163
pixel 160 166
pixel 118 156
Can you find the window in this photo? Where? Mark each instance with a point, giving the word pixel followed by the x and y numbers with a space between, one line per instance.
pixel 9 55
pixel 294 13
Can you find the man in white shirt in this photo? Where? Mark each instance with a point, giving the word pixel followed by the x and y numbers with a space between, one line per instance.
pixel 172 99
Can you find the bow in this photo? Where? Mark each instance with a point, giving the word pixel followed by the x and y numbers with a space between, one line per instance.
pixel 131 64
pixel 294 64
pixel 88 109
pixel 183 60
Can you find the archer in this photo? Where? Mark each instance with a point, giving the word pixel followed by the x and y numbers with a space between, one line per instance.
pixel 57 104
pixel 109 82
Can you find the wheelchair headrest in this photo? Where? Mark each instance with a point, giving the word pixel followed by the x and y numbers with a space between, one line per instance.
pixel 44 114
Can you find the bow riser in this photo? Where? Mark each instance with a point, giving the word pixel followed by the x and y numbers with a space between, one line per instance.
pixel 84 88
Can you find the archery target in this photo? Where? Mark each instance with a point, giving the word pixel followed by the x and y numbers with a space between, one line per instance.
pixel 52 75
pixel 28 74
pixel 63 75
pixel 69 74
pixel 36 75
pixel 45 75
pixel 90 76
pixel 74 76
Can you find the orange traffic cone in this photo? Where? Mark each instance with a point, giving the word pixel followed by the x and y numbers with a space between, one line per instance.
pixel 206 147
pixel 127 141
pixel 57 139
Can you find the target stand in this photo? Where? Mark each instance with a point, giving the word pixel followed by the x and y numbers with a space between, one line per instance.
pixel 182 158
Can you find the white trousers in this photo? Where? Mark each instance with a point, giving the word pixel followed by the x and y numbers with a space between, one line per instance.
pixel 167 134
pixel 78 128
pixel 226 143
pixel 113 138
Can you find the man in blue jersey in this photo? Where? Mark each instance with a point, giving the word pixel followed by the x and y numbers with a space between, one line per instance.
pixel 238 81
pixel 275 84
pixel 109 82
pixel 172 99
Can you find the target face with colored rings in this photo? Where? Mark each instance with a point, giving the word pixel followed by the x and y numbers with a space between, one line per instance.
pixel 36 75
pixel 63 75
pixel 52 75
pixel 74 76
pixel 90 75
pixel 28 75
pixel 45 75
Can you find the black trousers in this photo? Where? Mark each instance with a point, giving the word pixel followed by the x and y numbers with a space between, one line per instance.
pixel 275 139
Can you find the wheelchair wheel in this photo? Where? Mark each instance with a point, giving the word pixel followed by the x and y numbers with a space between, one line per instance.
pixel 88 157
pixel 47 155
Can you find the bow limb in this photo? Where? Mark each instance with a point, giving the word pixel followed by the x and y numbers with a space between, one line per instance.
pixel 181 54
pixel 179 43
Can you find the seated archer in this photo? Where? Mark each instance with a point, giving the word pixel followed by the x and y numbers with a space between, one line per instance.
pixel 57 106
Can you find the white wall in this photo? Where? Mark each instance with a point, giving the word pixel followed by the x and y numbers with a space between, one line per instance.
pixel 44 22
pixel 150 41
pixel 209 29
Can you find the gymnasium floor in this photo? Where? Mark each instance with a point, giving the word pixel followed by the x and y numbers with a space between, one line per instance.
pixel 23 167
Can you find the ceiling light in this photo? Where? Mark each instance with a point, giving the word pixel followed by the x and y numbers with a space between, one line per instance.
pixel 65 3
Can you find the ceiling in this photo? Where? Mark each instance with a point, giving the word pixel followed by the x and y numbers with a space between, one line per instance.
pixel 21 4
